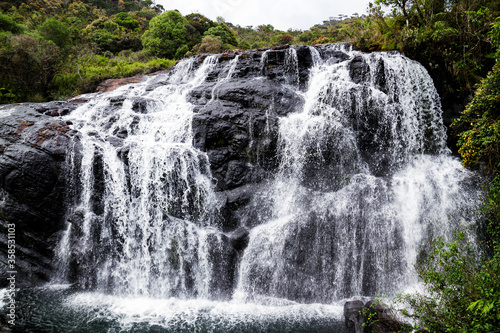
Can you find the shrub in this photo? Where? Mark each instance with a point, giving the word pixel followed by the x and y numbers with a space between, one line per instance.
pixel 282 39
pixel 223 32
pixel 209 45
pixel 126 21
pixel 479 125
pixel 462 292
pixel 181 51
pixel 27 64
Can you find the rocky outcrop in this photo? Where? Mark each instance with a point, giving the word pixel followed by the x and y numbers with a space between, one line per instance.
pixel 33 147
pixel 353 316
pixel 237 121
pixel 113 84
pixel 239 130
pixel 380 318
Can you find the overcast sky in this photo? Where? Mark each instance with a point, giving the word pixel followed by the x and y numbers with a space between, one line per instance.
pixel 282 14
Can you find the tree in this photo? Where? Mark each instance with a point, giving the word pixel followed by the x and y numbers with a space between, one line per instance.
pixel 223 32
pixel 198 25
pixel 402 5
pixel 265 31
pixel 27 64
pixel 124 20
pixel 479 125
pixel 56 31
pixel 166 34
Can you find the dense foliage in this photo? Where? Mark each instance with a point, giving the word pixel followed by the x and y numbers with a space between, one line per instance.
pixel 463 292
pixel 479 124
pixel 478 131
pixel 167 35
pixel 54 49
pixel 450 37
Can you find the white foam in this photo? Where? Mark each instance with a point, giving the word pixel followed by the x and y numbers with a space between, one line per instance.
pixel 172 311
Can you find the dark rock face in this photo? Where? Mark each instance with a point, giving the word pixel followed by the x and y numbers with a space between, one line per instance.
pixel 239 238
pixel 239 130
pixel 33 149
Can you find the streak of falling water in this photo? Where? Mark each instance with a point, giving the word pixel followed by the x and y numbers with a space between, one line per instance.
pixel 232 67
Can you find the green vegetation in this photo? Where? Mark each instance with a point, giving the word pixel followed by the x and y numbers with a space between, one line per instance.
pixel 264 36
pixel 167 35
pixel 479 126
pixel 451 38
pixel 53 49
pixel 463 291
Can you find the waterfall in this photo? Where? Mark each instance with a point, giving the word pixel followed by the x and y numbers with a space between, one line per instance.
pixel 143 221
pixel 363 180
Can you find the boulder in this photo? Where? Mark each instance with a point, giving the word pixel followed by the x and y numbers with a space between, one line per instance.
pixel 380 318
pixel 353 316
pixel 239 238
pixel 372 317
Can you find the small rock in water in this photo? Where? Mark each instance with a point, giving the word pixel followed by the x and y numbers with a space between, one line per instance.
pixel 239 238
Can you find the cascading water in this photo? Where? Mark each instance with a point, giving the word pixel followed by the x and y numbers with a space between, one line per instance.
pixel 146 208
pixel 364 180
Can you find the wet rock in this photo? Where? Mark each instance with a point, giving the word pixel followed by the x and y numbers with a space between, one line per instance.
pixel 380 319
pixel 380 78
pixel 359 70
pixel 223 258
pixel 59 108
pixel 372 317
pixel 236 122
pixel 237 206
pixel 239 238
pixel 32 180
pixel 112 84
pixel 353 317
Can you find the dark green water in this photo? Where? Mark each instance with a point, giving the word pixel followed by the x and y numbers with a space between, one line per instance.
pixel 68 311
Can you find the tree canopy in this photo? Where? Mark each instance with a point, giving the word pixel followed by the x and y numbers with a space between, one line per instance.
pixel 166 36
